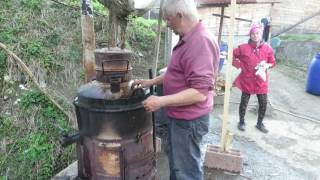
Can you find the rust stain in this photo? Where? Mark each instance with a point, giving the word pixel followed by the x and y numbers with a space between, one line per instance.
pixel 110 162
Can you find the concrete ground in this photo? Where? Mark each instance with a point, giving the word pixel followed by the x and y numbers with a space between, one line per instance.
pixel 291 149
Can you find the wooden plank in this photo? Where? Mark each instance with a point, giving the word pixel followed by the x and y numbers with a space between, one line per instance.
pixel 221 25
pixel 239 19
pixel 158 39
pixel 225 134
pixel 88 39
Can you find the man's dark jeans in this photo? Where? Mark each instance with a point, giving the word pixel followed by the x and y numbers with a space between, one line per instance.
pixel 184 141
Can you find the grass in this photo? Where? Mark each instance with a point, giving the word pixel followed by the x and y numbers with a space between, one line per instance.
pixel 47 37
pixel 300 37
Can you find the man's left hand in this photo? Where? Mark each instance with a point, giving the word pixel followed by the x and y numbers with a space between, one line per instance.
pixel 153 103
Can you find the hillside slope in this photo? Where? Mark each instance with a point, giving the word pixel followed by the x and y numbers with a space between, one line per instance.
pixel 46 35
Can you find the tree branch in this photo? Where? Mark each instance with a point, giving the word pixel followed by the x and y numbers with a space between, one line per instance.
pixel 24 68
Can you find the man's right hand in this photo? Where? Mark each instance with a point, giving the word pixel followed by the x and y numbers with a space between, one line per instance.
pixel 143 83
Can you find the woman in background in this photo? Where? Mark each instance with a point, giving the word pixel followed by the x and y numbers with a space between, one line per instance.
pixel 254 59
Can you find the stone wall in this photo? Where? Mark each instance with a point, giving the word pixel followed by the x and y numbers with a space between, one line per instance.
pixel 289 12
pixel 298 52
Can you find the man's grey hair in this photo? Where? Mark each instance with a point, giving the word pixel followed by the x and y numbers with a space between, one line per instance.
pixel 187 8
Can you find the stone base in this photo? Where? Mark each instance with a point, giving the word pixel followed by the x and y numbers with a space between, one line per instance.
pixel 69 173
pixel 231 161
pixel 218 99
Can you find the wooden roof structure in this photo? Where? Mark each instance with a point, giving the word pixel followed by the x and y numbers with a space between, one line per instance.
pixel 225 3
pixel 217 3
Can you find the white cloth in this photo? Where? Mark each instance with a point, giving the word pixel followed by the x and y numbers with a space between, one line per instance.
pixel 262 69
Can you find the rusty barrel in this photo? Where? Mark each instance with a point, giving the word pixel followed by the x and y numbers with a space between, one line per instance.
pixel 115 132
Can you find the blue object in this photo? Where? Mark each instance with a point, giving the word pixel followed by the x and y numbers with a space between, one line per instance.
pixel 275 43
pixel 223 54
pixel 221 62
pixel 313 82
pixel 223 47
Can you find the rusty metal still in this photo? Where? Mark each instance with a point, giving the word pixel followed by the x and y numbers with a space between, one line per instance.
pixel 115 139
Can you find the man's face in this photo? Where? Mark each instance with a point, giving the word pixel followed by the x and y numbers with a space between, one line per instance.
pixel 255 36
pixel 173 22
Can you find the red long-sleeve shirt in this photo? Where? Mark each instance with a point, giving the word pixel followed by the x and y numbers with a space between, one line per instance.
pixel 193 64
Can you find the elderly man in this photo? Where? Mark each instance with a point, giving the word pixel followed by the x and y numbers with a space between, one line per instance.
pixel 188 88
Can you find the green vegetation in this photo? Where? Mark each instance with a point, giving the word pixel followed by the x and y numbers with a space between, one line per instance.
pixel 8 35
pixel 300 37
pixel 32 149
pixel 30 130
pixel 97 6
pixel 32 4
pixel 47 37
pixel 141 34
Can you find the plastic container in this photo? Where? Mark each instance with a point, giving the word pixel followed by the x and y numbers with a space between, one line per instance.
pixel 275 43
pixel 223 54
pixel 313 81
pixel 221 62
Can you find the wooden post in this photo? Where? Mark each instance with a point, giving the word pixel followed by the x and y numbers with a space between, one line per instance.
pixel 167 46
pixel 157 43
pixel 271 23
pixel 88 39
pixel 225 133
pixel 221 25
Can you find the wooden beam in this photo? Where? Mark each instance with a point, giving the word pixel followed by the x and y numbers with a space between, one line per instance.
pixel 88 39
pixel 239 19
pixel 221 26
pixel 243 3
pixel 157 42
pixel 271 22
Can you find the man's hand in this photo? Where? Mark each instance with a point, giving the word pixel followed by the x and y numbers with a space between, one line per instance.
pixel 143 83
pixel 153 103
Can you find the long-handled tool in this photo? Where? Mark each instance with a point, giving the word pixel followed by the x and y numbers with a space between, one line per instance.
pixel 223 157
pixel 153 119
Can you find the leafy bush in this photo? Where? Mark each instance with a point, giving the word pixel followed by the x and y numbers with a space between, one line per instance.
pixel 141 33
pixel 33 48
